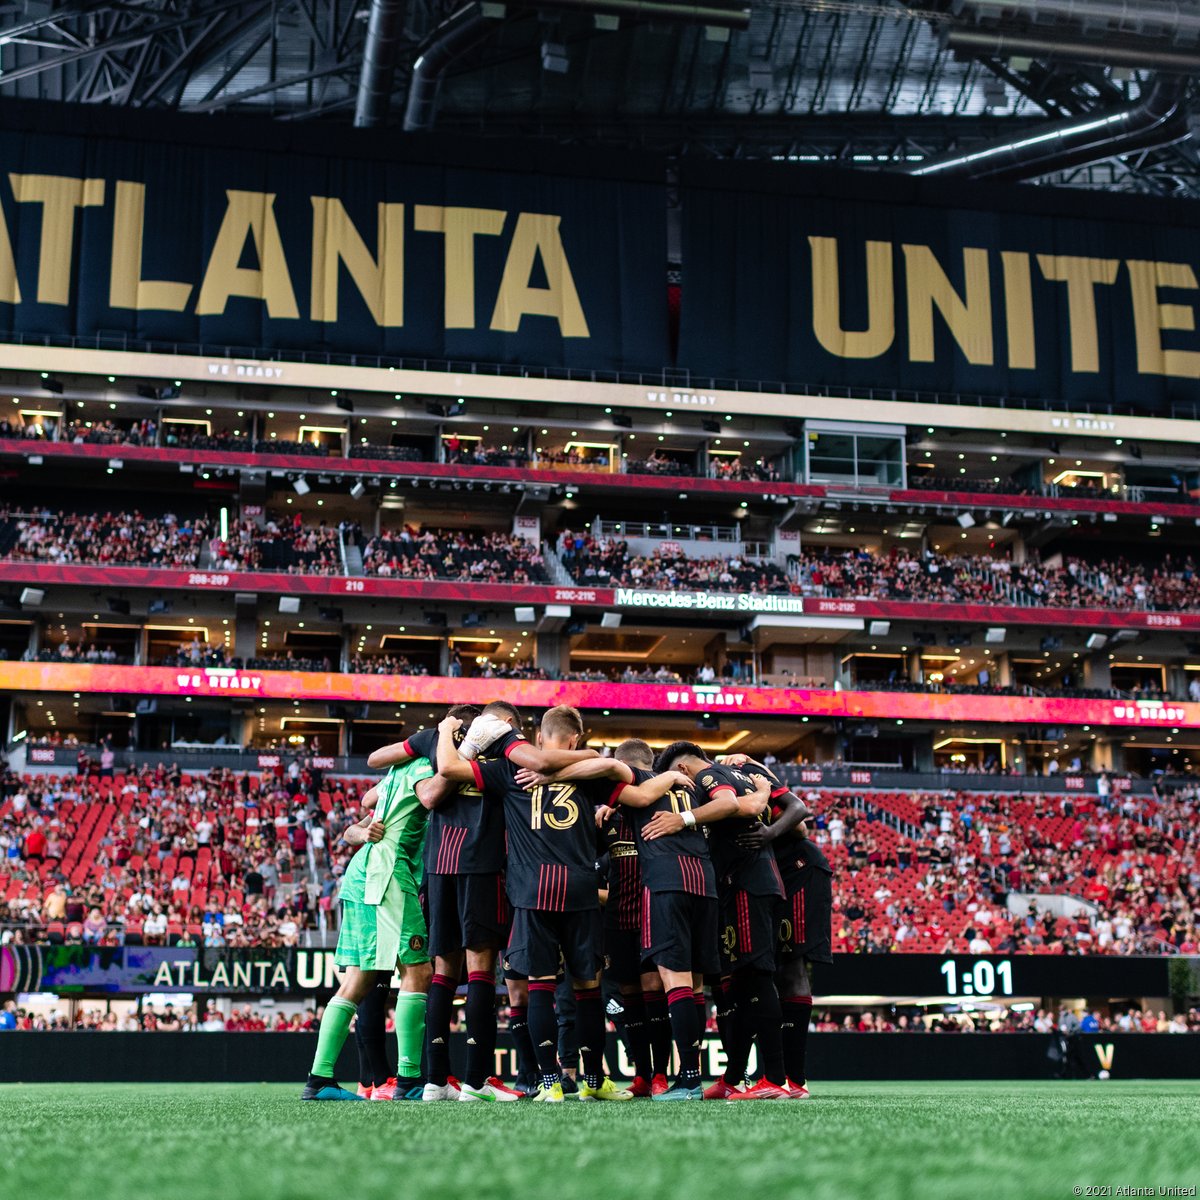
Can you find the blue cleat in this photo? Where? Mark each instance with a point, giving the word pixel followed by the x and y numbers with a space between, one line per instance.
pixel 679 1091
pixel 320 1089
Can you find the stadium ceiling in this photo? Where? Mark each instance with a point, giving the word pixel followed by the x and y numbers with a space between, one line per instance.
pixel 877 84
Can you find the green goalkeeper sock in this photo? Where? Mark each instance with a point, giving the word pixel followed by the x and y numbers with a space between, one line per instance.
pixel 410 1033
pixel 335 1026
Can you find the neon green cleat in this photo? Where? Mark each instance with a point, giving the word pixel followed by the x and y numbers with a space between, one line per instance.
pixel 606 1091
pixel 550 1095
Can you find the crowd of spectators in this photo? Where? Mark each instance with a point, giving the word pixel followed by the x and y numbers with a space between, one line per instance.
pixel 121 539
pixel 608 562
pixel 77 651
pixel 469 556
pixel 933 872
pixel 110 433
pixel 472 453
pixel 737 469
pixel 156 856
pixel 27 430
pixel 386 664
pixel 280 544
pixel 658 464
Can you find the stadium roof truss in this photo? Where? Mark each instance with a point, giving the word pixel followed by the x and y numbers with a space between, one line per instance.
pixel 876 84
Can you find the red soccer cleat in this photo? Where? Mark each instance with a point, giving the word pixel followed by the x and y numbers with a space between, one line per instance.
pixel 501 1090
pixel 796 1091
pixel 720 1090
pixel 764 1089
pixel 639 1087
pixel 364 1090
pixel 384 1091
pixel 658 1085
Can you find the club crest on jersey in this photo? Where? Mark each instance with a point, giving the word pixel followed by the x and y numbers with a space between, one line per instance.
pixel 416 942
pixel 729 942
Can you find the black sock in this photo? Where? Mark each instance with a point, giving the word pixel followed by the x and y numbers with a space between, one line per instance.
pixel 589 1023
pixel 481 1027
pixel 765 1020
pixel 637 1034
pixel 543 1030
pixel 518 1026
pixel 685 1026
pixel 659 1026
pixel 741 1031
pixel 437 1028
pixel 370 1035
pixel 797 1013
pixel 722 999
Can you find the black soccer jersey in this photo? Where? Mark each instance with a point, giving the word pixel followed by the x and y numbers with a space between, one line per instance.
pixel 551 837
pixel 787 845
pixel 624 907
pixel 679 863
pixel 465 836
pixel 738 868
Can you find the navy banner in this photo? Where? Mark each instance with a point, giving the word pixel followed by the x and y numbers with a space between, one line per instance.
pixel 376 247
pixel 878 280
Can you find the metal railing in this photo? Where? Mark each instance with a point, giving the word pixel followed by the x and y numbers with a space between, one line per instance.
pixel 660 531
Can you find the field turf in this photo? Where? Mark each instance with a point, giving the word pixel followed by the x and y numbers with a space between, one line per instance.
pixel 870 1140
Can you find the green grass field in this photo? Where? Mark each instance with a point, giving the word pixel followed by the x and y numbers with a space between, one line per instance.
pixel 870 1140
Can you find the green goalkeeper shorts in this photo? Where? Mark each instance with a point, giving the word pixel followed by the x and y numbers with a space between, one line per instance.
pixel 375 937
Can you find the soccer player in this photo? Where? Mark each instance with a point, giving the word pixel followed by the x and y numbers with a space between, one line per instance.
pixel 805 918
pixel 679 898
pixel 749 890
pixel 551 884
pixel 464 888
pixel 383 926
pixel 642 995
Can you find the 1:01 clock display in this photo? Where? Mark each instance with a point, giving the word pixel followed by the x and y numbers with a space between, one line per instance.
pixel 977 979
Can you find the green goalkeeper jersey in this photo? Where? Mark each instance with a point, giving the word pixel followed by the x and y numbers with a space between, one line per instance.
pixel 397 855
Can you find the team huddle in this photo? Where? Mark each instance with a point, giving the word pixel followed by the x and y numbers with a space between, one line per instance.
pixel 710 878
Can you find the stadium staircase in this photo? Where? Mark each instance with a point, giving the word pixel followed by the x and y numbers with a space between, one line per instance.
pixel 351 552
pixel 559 575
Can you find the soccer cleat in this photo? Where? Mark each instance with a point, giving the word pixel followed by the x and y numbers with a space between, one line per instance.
pixel 658 1085
pixel 472 1094
pixel 764 1089
pixel 327 1091
pixel 501 1091
pixel 450 1090
pixel 720 1090
pixel 639 1087
pixel 797 1091
pixel 364 1091
pixel 527 1086
pixel 384 1091
pixel 549 1095
pixel 680 1091
pixel 410 1089
pixel 606 1091
pixel 570 1086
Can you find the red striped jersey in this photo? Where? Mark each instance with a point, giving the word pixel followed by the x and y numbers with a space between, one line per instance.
pixel 618 841
pixel 679 863
pixel 465 835
pixel 551 837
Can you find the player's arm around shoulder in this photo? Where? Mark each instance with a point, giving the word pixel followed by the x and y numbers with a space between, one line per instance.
pixel 451 766
pixel 643 795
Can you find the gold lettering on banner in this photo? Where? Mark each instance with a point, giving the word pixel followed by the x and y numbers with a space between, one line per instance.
pixel 1081 275
pixel 60 196
pixel 969 320
pixel 1150 318
pixel 248 214
pixel 379 279
pixel 880 332
pixel 538 233
pixel 1018 310
pixel 459 227
pixel 126 287
pixel 10 288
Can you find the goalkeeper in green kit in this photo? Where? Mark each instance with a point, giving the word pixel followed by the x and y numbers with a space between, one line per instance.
pixel 383 927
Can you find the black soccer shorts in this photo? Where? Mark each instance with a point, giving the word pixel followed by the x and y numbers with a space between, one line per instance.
pixel 679 932
pixel 466 911
pixel 541 943
pixel 624 961
pixel 749 929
